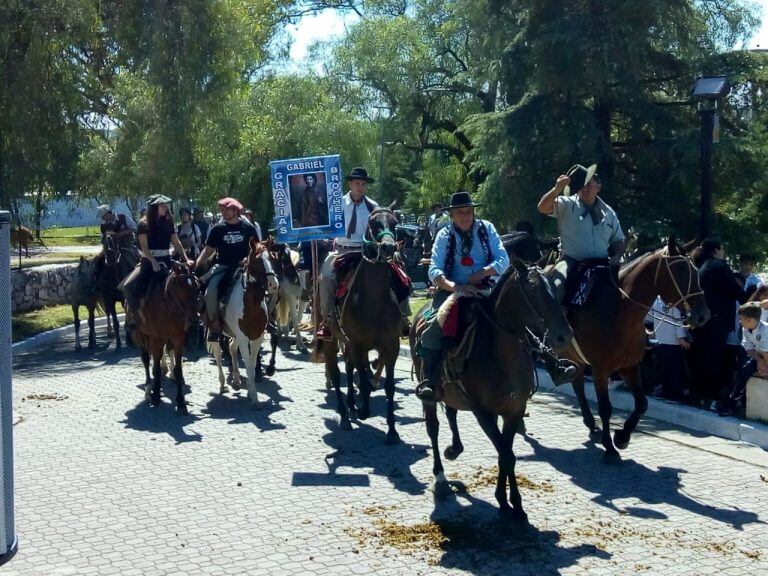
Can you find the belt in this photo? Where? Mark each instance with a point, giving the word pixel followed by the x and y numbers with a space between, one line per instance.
pixel 160 252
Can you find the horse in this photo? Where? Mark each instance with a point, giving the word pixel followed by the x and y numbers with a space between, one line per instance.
pixel 610 333
pixel 166 310
pixel 21 237
pixel 290 300
pixel 83 292
pixel 115 267
pixel 245 318
pixel 497 376
pixel 369 319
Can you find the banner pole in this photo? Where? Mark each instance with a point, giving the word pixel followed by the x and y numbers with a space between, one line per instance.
pixel 315 289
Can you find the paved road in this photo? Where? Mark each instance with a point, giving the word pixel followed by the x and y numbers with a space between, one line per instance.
pixel 107 485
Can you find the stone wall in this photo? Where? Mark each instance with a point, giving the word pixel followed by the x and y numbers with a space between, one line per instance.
pixel 41 286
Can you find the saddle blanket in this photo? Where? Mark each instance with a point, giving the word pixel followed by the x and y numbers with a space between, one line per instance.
pixel 587 274
pixel 346 264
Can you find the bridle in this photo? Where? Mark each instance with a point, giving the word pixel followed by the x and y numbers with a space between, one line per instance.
pixel 193 283
pixel 250 279
pixel 369 240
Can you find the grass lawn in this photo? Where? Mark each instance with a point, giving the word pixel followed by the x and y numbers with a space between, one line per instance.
pixel 26 324
pixel 52 258
pixel 76 236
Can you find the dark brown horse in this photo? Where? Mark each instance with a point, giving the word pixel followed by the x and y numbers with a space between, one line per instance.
pixel 610 334
pixel 498 375
pixel 116 265
pixel 21 237
pixel 369 319
pixel 84 292
pixel 165 312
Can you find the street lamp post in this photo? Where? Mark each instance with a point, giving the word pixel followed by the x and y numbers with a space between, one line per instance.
pixel 707 90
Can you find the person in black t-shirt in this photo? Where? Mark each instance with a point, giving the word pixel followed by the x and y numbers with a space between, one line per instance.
pixel 156 234
pixel 229 240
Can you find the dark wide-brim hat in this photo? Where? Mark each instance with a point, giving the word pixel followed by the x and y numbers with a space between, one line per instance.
pixel 461 200
pixel 580 177
pixel 359 173
pixel 158 199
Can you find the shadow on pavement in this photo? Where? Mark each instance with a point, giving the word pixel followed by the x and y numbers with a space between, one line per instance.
pixel 586 470
pixel 236 407
pixel 364 448
pixel 161 420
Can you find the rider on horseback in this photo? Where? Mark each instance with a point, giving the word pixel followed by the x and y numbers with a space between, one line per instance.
pixel 156 234
pixel 124 229
pixel 357 209
pixel 229 239
pixel 589 228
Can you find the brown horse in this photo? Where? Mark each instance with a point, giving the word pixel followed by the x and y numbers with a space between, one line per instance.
pixel 165 312
pixel 21 237
pixel 369 320
pixel 84 292
pixel 498 374
pixel 610 334
pixel 115 267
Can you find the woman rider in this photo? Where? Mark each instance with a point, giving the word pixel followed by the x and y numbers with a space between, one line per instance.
pixel 156 233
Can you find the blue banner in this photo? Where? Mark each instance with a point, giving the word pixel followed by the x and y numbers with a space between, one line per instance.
pixel 307 193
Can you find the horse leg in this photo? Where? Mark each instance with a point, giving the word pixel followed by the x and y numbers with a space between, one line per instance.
pixel 512 423
pixel 456 448
pixel 506 460
pixel 334 375
pixel 76 314
pixel 632 379
pixel 91 329
pixel 441 487
pixel 274 338
pixel 250 369
pixel 360 362
pixel 389 388
pixel 178 376
pixel 586 412
pixel 157 373
pixel 294 310
pixel 234 364
pixel 115 326
pixel 147 379
pixel 215 349
pixel 605 410
pixel 349 369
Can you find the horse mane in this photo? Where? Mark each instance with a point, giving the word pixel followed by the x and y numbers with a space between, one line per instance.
pixel 493 299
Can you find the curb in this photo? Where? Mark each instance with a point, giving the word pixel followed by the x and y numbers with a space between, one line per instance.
pixel 51 335
pixel 672 412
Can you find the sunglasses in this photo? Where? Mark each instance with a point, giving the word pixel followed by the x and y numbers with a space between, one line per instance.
pixel 596 179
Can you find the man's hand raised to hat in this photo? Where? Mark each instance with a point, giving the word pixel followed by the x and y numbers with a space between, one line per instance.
pixel 562 182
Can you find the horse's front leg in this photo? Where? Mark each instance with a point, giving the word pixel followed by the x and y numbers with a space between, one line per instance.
pixel 456 448
pixel 145 358
pixel 333 375
pixel 157 351
pixel 91 329
pixel 633 380
pixel 359 361
pixel 274 338
pixel 586 411
pixel 215 349
pixel 178 376
pixel 234 365
pixel 506 460
pixel 389 388
pixel 116 327
pixel 605 410
pixel 250 368
pixel 441 487
pixel 512 423
pixel 295 319
pixel 76 314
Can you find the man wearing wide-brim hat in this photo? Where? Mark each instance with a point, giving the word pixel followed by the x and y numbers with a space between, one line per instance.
pixel 121 224
pixel 357 208
pixel 589 228
pixel 466 255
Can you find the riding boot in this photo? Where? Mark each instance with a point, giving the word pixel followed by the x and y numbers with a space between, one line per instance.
pixel 561 371
pixel 430 389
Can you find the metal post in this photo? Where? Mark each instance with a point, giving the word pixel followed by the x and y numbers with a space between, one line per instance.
pixel 705 214
pixel 8 542
pixel 315 291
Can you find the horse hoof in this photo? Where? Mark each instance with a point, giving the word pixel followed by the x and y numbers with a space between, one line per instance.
pixel 352 413
pixel 612 458
pixel 78 348
pixel 516 515
pixel 392 438
pixel 328 385
pixel 154 401
pixel 621 439
pixel 595 433
pixel 453 452
pixel 363 414
pixel 270 371
pixel 182 409
pixel 91 345
pixel 345 424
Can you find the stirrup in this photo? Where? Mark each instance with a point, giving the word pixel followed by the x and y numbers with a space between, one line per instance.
pixel 428 393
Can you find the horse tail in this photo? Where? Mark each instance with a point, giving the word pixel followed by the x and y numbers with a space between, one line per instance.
pixel 283 311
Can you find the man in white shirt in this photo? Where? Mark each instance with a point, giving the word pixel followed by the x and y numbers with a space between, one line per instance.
pixel 357 208
pixel 755 342
pixel 673 340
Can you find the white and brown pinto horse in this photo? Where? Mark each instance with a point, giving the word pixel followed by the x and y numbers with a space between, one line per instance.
pixel 245 318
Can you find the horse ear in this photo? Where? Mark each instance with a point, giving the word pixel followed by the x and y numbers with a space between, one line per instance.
pixel 519 265
pixel 392 206
pixel 691 244
pixel 671 244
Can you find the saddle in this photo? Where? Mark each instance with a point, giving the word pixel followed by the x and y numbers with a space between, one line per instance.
pixel 227 284
pixel 346 264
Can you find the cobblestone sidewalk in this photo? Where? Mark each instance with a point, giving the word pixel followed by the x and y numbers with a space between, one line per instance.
pixel 106 485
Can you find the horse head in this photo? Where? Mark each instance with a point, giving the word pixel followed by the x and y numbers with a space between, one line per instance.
pixel 182 286
pixel 380 233
pixel 526 296
pixel 677 282
pixel 111 249
pixel 282 262
pixel 257 265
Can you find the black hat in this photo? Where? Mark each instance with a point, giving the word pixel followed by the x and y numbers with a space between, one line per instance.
pixel 359 174
pixel 580 177
pixel 460 200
